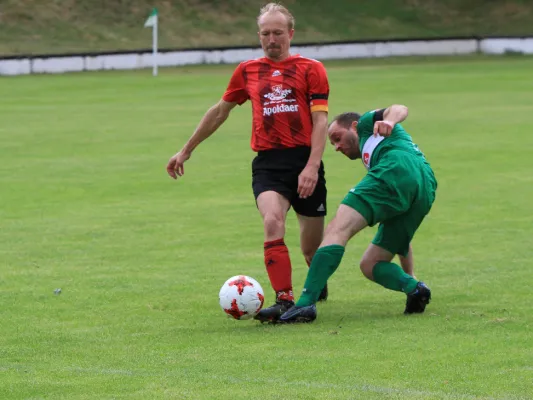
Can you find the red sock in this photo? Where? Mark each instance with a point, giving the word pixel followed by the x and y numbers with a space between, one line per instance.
pixel 278 266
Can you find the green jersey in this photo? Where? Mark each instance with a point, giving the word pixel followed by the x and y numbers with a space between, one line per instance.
pixel 373 148
pixel 399 188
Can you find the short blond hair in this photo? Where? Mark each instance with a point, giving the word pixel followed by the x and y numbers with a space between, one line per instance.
pixel 273 7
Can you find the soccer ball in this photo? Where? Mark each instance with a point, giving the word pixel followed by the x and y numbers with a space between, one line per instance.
pixel 241 297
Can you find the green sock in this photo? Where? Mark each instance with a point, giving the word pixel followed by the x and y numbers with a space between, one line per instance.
pixel 392 277
pixel 325 262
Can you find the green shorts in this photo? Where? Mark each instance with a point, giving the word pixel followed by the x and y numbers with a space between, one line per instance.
pixel 397 193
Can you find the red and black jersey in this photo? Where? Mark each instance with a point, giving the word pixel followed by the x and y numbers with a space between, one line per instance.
pixel 283 96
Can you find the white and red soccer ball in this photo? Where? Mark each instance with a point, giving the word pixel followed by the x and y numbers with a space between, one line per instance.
pixel 241 297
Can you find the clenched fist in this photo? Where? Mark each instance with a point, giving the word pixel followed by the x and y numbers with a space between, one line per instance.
pixel 383 128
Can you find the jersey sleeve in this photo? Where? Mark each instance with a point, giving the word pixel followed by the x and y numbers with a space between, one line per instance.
pixel 318 87
pixel 365 126
pixel 236 90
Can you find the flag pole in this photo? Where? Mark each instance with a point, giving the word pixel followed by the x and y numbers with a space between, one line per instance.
pixel 153 22
pixel 154 45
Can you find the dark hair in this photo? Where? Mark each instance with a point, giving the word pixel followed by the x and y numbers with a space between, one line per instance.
pixel 346 119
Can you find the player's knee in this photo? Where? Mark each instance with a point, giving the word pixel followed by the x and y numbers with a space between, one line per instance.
pixel 336 234
pixel 332 228
pixel 367 265
pixel 274 225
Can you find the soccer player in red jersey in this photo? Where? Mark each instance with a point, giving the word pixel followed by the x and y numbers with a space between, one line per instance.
pixel 289 96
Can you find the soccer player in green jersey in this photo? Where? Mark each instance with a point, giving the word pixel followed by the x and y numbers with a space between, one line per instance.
pixel 397 192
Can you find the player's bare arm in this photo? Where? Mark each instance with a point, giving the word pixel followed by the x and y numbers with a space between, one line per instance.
pixel 391 116
pixel 210 122
pixel 309 176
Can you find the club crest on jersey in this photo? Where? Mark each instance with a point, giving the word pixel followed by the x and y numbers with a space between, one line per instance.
pixel 276 73
pixel 278 93
pixel 366 158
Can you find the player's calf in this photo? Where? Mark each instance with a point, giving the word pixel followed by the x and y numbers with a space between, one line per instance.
pixel 323 294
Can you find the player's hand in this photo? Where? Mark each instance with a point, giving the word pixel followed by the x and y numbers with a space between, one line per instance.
pixel 175 164
pixel 307 181
pixel 383 128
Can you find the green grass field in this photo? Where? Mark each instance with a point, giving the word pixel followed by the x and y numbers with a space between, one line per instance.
pixel 86 206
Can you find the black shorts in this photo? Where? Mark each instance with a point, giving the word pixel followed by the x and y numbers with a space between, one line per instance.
pixel 278 170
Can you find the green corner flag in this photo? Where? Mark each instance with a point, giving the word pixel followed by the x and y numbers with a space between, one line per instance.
pixel 152 19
